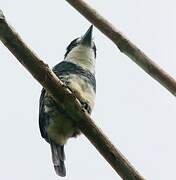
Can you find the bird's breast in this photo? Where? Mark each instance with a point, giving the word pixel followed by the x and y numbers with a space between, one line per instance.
pixel 81 87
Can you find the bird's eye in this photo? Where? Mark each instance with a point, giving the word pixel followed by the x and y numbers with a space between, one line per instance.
pixel 71 46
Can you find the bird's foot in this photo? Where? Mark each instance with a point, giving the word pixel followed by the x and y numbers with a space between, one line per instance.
pixel 86 106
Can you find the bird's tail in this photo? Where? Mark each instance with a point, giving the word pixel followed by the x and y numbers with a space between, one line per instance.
pixel 58 157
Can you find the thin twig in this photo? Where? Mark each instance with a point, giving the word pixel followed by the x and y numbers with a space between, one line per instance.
pixel 66 101
pixel 125 46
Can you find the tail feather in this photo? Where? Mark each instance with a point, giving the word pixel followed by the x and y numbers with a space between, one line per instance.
pixel 58 157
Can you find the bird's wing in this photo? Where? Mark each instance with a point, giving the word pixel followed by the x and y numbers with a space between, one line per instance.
pixel 58 155
pixel 43 117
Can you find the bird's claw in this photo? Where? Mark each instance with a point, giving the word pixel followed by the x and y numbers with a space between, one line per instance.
pixel 86 106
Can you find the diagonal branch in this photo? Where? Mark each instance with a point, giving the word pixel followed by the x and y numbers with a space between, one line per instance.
pixel 66 100
pixel 125 45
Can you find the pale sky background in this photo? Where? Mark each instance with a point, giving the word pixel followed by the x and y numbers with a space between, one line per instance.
pixel 134 111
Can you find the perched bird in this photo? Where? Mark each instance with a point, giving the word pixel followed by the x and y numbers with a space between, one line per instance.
pixel 77 71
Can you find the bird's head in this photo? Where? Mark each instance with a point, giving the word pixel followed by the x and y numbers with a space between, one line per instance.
pixel 82 47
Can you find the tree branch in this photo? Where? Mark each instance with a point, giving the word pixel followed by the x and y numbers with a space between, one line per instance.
pixel 66 100
pixel 125 45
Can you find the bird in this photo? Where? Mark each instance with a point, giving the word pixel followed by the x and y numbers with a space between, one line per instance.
pixel 77 72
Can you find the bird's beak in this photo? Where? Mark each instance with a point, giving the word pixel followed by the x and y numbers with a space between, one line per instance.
pixel 87 38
